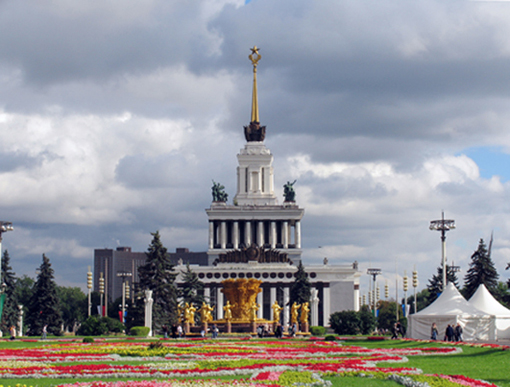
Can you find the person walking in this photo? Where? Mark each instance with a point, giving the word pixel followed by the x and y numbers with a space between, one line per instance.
pixel 449 333
pixel 394 332
pixel 458 332
pixel 164 328
pixel 44 332
pixel 433 332
pixel 12 331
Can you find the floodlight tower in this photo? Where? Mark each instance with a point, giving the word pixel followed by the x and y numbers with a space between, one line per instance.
pixel 443 225
pixel 123 306
pixel 415 285
pixel 374 273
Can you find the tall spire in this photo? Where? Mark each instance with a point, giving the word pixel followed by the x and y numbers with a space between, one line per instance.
pixel 254 57
pixel 254 132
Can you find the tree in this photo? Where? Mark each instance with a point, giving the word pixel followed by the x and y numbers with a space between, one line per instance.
pixel 73 305
pixel 481 271
pixel 346 322
pixel 157 275
pixel 24 290
pixel 10 310
pixel 192 290
pixel 300 289
pixel 44 306
pixel 435 286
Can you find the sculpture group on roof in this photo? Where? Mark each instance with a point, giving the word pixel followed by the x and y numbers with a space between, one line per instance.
pixel 218 192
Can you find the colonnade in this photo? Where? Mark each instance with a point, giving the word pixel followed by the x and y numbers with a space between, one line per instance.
pixel 232 234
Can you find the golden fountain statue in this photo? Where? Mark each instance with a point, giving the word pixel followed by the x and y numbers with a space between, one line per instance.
pixel 241 294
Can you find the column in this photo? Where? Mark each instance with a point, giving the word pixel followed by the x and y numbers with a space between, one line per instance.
pixel 211 235
pixel 223 235
pixel 148 310
pixel 285 234
pixel 235 234
pixel 272 236
pixel 326 304
pixel 286 299
pixel 219 306
pixel 260 301
pixel 297 234
pixel 260 234
pixel 315 308
pixel 247 233
pixel 356 298
pixel 272 296
pixel 207 293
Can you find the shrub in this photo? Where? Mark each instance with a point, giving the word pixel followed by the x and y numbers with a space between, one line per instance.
pixel 368 321
pixel 345 323
pixel 88 340
pixel 139 331
pixel 114 325
pixel 97 326
pixel 317 331
pixel 330 338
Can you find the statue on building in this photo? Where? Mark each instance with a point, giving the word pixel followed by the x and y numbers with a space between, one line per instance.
pixel 253 311
pixel 227 311
pixel 305 309
pixel 288 191
pixel 218 192
pixel 294 312
pixel 189 313
pixel 205 313
pixel 276 311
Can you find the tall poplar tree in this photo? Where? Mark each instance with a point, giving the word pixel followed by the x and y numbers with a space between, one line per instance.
pixel 157 275
pixel 10 311
pixel 481 271
pixel 44 307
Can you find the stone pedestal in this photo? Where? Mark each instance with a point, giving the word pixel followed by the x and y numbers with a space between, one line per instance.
pixel 148 310
pixel 305 327
pixel 253 327
pixel 229 327
pixel 204 327
pixel 187 328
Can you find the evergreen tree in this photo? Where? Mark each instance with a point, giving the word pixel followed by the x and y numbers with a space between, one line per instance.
pixel 481 271
pixel 73 306
pixel 435 286
pixel 10 311
pixel 44 307
pixel 300 289
pixel 157 275
pixel 192 290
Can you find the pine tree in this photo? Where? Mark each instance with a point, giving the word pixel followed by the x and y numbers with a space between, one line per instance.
pixel 481 271
pixel 44 307
pixel 157 275
pixel 192 290
pixel 300 289
pixel 435 286
pixel 10 311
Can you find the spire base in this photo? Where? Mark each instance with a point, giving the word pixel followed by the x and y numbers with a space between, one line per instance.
pixel 254 132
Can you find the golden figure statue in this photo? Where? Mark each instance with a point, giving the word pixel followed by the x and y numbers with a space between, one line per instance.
pixel 205 312
pixel 305 309
pixel 253 311
pixel 227 310
pixel 180 310
pixel 189 313
pixel 276 311
pixel 294 312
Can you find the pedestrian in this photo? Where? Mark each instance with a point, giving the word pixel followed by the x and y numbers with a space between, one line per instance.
pixel 164 328
pixel 458 332
pixel 278 332
pixel 13 332
pixel 449 333
pixel 394 331
pixel 44 332
pixel 179 330
pixel 402 329
pixel 215 331
pixel 174 331
pixel 433 332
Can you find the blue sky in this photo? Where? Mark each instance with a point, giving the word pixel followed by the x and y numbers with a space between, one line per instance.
pixel 492 161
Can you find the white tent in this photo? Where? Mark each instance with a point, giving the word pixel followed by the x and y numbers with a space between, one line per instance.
pixel 451 308
pixel 483 300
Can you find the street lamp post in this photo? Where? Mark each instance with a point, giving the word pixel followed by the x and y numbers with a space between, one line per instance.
pixel 101 292
pixel 374 273
pixel 404 281
pixel 415 285
pixel 124 275
pixel 89 287
pixel 443 225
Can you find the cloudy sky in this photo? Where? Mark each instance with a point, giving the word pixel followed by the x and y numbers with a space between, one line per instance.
pixel 115 117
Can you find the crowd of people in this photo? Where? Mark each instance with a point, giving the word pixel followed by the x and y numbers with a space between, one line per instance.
pixel 452 333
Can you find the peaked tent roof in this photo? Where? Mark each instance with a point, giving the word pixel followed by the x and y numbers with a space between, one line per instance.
pixel 451 302
pixel 485 301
